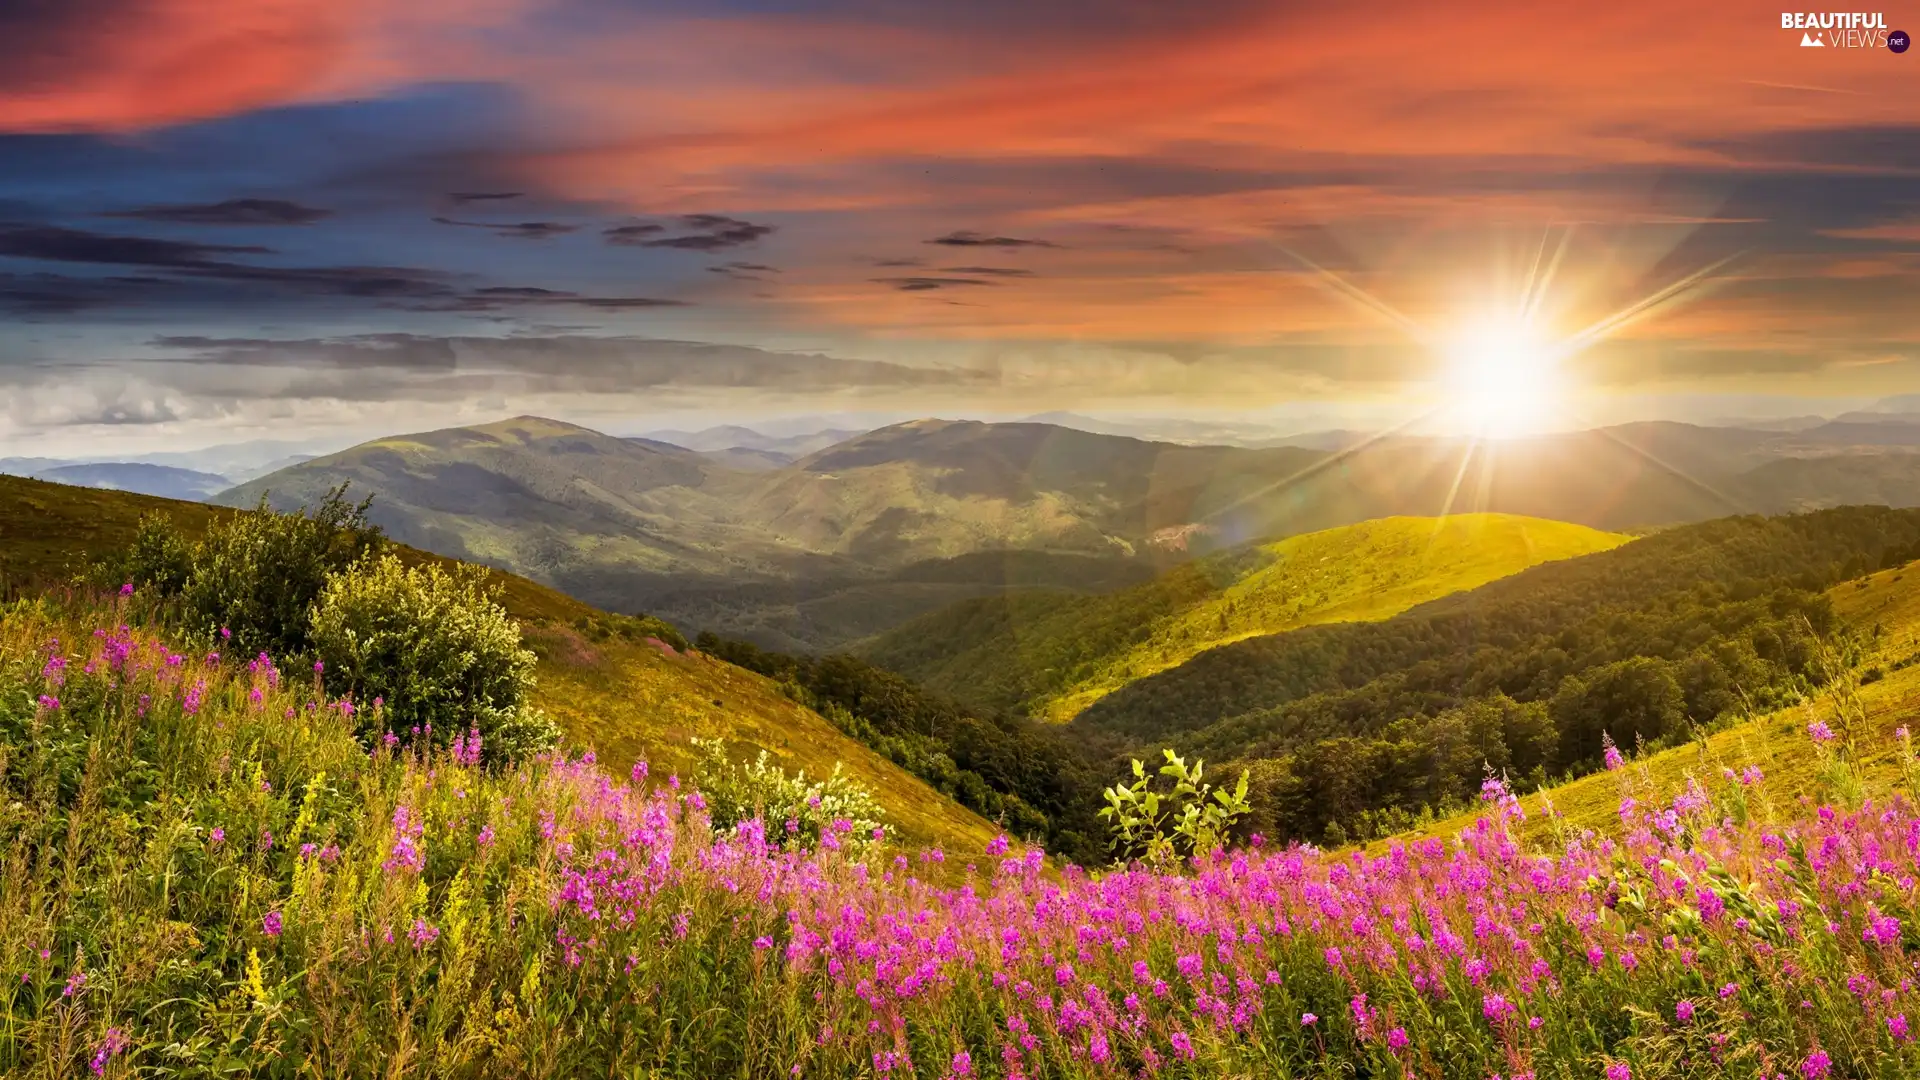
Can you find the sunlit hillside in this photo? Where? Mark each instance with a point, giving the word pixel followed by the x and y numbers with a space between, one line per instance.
pixel 1055 656
pixel 627 698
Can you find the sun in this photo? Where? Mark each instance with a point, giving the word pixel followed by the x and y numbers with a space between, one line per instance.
pixel 1502 379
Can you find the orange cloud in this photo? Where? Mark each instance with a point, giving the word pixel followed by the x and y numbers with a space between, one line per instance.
pixel 1629 82
pixel 1422 150
pixel 119 65
pixel 130 65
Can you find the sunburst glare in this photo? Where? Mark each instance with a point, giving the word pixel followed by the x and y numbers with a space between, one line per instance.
pixel 1502 379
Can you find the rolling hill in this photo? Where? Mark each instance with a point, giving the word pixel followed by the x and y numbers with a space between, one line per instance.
pixel 162 480
pixel 629 699
pixel 1518 635
pixel 1053 656
pixel 735 437
pixel 805 555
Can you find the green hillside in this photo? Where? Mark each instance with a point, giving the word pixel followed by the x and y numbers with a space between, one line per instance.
pixel 1883 611
pixel 1521 633
pixel 1363 728
pixel 1054 656
pixel 627 698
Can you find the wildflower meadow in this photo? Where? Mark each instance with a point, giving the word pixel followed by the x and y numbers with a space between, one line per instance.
pixel 203 871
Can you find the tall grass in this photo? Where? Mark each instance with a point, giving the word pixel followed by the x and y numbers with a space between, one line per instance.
pixel 204 873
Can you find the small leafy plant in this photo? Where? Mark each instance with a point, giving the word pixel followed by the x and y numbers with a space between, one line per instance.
pixel 796 811
pixel 1188 818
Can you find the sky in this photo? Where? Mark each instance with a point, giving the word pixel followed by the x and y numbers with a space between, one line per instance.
pixel 281 218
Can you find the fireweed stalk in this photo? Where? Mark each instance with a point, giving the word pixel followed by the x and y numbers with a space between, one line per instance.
pixel 562 919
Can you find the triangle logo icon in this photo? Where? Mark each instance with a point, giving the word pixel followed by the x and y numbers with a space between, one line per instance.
pixel 1808 41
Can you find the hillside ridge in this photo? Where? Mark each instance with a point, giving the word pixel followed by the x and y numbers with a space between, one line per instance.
pixel 1069 652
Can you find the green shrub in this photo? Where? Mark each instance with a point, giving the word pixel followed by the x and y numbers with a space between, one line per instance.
pixel 642 627
pixel 159 558
pixel 435 647
pixel 795 810
pixel 257 575
pixel 522 734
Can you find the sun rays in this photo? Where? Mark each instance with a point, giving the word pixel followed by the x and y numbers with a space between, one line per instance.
pixel 1503 373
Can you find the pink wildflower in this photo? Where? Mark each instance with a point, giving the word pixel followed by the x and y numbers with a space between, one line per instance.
pixel 111 1046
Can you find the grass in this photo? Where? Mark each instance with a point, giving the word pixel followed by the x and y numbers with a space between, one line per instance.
pixel 204 873
pixel 629 700
pixel 638 702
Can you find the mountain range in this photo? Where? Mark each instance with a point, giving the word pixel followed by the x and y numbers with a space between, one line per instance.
pixel 853 538
pixel 730 437
pixel 162 480
pixel 194 475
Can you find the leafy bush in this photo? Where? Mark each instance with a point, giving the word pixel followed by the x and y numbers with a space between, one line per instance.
pixel 159 558
pixel 796 812
pixel 521 734
pixel 434 645
pixel 257 575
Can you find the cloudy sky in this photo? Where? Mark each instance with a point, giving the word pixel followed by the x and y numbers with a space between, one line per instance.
pixel 275 217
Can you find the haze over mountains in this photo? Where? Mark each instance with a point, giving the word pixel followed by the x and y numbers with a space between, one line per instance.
pixel 847 540
pixel 195 475
pixel 162 480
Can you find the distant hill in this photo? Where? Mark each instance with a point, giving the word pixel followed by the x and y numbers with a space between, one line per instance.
pixel 747 459
pixel 27 466
pixel 242 461
pixel 644 524
pixel 1891 478
pixel 1053 656
pixel 734 437
pixel 162 480
pixel 641 524
pixel 628 699
pixel 534 495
